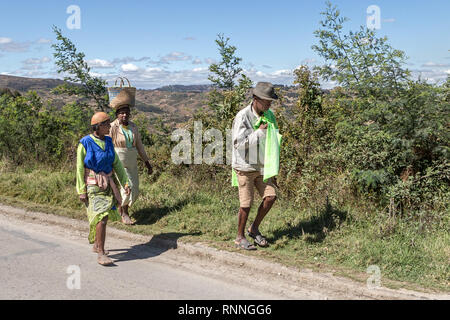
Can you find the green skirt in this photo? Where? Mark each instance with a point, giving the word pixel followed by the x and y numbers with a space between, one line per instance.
pixel 101 204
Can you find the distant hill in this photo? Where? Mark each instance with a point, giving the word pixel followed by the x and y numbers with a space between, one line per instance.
pixel 189 88
pixel 175 104
pixel 26 84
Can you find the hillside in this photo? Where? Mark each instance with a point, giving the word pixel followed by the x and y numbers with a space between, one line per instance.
pixel 175 104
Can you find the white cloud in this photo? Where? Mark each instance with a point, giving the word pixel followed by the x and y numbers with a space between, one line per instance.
pixel 199 69
pixel 308 61
pixel 4 40
pixel 175 56
pixel 129 67
pixel 430 75
pixel 210 61
pixel 100 63
pixel 44 41
pixel 435 65
pixel 36 61
pixel 98 74
pixel 284 72
pixel 129 59
pixel 282 76
pixel 8 45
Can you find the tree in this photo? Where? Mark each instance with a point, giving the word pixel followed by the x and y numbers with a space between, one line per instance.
pixel 79 80
pixel 224 74
pixel 358 60
pixel 227 96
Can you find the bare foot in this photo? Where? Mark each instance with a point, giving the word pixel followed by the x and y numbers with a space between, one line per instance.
pixel 95 249
pixel 104 260
pixel 126 219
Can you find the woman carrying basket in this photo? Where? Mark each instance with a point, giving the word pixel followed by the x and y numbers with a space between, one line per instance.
pixel 96 187
pixel 127 142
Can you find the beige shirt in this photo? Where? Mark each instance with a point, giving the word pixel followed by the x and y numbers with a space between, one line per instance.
pixel 119 141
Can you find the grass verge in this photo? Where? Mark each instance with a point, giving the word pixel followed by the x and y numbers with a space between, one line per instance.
pixel 344 240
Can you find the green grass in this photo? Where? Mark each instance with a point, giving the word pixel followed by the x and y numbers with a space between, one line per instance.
pixel 344 240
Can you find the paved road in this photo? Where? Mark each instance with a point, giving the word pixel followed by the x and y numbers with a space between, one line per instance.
pixel 36 265
pixel 42 255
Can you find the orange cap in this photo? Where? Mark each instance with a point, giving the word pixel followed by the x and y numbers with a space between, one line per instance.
pixel 99 117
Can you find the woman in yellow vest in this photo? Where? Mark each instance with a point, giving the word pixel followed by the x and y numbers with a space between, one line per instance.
pixel 128 145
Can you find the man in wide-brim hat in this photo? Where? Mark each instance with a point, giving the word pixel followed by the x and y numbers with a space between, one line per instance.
pixel 248 163
pixel 128 144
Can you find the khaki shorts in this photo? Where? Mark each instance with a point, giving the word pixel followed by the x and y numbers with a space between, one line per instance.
pixel 247 183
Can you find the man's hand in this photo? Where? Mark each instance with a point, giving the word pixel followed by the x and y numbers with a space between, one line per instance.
pixel 84 198
pixel 149 167
pixel 263 126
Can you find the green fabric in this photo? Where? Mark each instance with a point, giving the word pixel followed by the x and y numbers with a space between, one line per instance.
pixel 128 136
pixel 101 204
pixel 272 147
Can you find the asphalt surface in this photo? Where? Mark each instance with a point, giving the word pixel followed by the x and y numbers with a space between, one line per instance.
pixel 36 265
pixel 46 257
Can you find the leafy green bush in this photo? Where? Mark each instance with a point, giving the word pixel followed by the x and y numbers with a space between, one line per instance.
pixel 31 131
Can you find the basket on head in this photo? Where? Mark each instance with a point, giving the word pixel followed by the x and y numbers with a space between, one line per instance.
pixel 119 96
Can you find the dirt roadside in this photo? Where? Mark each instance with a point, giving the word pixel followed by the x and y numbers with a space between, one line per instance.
pixel 285 282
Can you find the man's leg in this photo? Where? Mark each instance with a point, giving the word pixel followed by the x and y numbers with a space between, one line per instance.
pixel 242 221
pixel 246 190
pixel 263 209
pixel 268 192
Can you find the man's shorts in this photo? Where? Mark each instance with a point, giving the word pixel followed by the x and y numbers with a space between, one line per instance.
pixel 247 183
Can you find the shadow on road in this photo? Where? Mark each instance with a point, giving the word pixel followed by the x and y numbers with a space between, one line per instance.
pixel 157 245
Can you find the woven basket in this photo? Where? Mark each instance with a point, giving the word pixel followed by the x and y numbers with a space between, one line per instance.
pixel 121 95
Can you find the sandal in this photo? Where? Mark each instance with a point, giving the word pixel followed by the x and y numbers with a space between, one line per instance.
pixel 244 244
pixel 259 239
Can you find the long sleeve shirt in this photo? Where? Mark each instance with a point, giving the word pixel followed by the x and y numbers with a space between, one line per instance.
pixel 117 166
pixel 120 140
pixel 248 143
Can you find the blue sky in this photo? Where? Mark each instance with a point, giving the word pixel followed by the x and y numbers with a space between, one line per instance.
pixel 157 43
